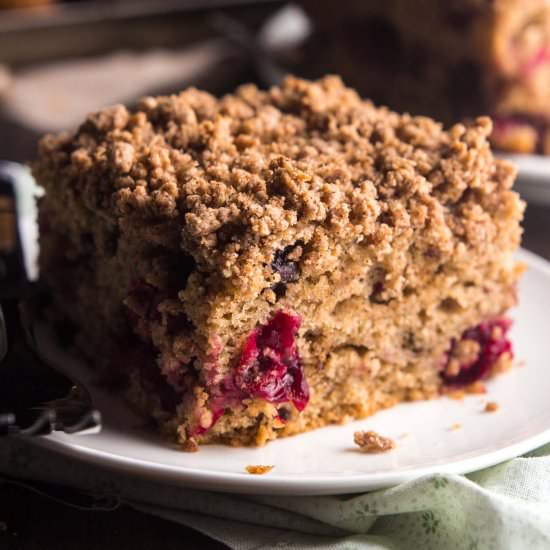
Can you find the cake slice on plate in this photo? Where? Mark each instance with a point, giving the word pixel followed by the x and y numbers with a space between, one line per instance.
pixel 274 261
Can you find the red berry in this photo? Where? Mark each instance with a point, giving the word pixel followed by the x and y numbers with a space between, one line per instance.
pixel 492 344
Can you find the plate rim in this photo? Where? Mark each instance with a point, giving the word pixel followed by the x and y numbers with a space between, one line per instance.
pixel 244 483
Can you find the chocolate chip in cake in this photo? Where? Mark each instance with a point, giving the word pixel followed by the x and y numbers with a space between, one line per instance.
pixel 378 294
pixel 386 218
pixel 409 342
pixel 287 269
pixel 432 252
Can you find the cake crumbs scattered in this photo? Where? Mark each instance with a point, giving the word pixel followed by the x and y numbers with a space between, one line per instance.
pixel 404 435
pixel 456 426
pixel 491 406
pixel 372 442
pixel 190 446
pixel 258 469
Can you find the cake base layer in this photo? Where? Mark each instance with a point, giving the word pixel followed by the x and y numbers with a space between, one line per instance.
pixel 346 381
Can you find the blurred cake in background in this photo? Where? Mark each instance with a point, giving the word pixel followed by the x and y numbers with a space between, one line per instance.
pixel 447 59
pixel 14 4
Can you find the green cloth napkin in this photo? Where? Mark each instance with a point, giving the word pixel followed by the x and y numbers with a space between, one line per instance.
pixel 504 507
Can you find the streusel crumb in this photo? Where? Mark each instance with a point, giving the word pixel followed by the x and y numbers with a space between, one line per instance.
pixel 258 469
pixel 491 406
pixel 372 442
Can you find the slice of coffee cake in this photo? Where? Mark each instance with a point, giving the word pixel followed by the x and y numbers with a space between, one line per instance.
pixel 271 262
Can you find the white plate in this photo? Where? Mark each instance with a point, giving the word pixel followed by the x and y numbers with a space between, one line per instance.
pixel 325 461
pixel 533 181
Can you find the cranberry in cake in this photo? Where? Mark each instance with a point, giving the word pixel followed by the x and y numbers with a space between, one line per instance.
pixel 449 60
pixel 270 262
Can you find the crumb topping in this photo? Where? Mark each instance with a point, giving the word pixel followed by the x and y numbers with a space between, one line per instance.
pixel 258 469
pixel 491 406
pixel 234 180
pixel 372 442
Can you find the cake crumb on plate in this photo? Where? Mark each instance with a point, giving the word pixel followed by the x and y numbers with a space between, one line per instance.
pixel 372 442
pixel 259 469
pixel 456 426
pixel 491 406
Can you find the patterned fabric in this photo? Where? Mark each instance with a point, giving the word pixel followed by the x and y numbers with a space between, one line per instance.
pixel 504 507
